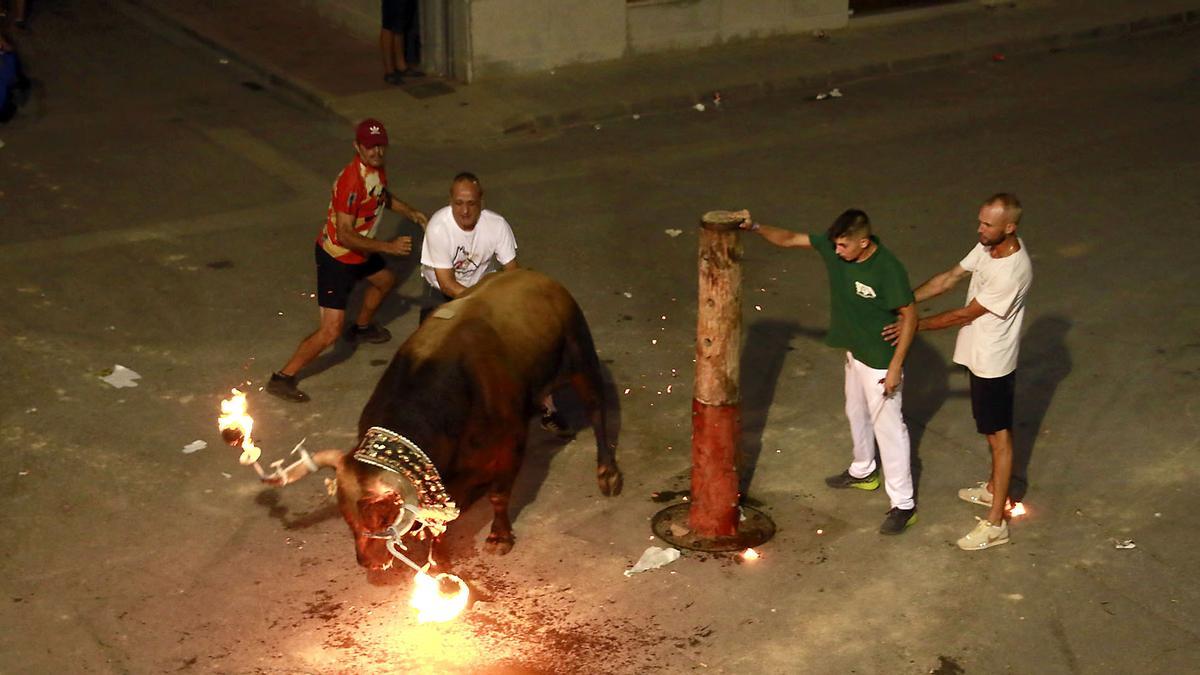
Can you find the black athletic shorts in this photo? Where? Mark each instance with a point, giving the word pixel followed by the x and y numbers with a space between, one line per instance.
pixel 398 15
pixel 335 279
pixel 992 402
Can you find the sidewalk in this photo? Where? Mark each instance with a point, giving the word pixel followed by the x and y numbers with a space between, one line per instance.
pixel 292 46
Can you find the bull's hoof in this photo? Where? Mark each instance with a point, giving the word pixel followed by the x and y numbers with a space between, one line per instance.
pixel 498 544
pixel 609 479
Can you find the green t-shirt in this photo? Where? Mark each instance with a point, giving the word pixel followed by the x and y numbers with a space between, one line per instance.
pixel 863 297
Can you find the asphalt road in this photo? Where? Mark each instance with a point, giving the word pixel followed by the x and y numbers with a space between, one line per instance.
pixel 159 208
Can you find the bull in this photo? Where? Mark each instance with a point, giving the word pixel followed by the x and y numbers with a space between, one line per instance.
pixel 462 390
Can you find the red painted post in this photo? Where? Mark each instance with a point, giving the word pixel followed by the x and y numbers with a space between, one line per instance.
pixel 716 409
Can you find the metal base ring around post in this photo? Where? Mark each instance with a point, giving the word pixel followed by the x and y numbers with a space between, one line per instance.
pixel 755 530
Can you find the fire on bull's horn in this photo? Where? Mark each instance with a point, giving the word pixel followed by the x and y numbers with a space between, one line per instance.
pixel 436 598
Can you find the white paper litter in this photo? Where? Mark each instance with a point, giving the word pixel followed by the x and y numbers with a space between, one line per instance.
pixel 699 107
pixel 673 232
pixel 653 558
pixel 194 446
pixel 122 377
pixel 1125 544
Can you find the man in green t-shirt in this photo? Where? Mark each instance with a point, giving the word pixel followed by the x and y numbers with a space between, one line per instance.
pixel 868 289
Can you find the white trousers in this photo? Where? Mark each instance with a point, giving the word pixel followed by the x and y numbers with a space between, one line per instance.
pixel 876 418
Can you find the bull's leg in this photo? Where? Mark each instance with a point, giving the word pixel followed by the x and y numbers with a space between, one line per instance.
pixel 590 392
pixel 588 384
pixel 500 539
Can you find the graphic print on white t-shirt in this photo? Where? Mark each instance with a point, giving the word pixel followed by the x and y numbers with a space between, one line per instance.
pixel 462 264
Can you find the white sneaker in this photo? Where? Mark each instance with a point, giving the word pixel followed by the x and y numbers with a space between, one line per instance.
pixel 985 535
pixel 976 495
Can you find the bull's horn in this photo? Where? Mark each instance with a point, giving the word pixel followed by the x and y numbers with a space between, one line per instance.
pixel 305 465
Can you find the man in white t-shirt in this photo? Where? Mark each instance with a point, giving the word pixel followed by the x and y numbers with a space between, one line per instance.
pixel 460 242
pixel 1001 274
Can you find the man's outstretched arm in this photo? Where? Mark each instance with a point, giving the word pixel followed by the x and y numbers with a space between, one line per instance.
pixel 776 235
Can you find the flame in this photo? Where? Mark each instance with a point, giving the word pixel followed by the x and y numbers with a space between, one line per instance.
pixel 434 604
pixel 1018 509
pixel 236 425
pixel 750 554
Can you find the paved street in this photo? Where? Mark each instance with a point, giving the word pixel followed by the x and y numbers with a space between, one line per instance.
pixel 159 208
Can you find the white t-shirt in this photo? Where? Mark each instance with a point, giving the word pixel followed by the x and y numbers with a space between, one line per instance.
pixel 469 254
pixel 988 345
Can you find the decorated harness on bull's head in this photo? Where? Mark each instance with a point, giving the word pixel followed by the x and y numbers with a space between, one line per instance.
pixel 433 510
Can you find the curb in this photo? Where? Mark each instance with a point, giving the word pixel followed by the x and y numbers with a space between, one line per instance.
pixel 801 84
pixel 144 12
pixel 1057 42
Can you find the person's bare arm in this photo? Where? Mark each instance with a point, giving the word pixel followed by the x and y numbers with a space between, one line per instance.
pixel 510 265
pixel 403 208
pixel 447 282
pixel 352 240
pixel 908 329
pixel 935 286
pixel 939 283
pixel 955 317
pixel 776 235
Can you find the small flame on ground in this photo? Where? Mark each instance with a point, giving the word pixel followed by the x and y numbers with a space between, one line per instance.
pixel 750 554
pixel 1018 509
pixel 236 423
pixel 432 603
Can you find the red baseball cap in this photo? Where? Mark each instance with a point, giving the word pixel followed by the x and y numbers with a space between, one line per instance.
pixel 370 133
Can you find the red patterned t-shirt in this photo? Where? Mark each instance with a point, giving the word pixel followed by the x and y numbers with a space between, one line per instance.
pixel 358 191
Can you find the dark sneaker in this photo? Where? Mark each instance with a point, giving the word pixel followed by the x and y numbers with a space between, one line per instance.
pixel 845 480
pixel 374 333
pixel 284 386
pixel 898 520
pixel 552 422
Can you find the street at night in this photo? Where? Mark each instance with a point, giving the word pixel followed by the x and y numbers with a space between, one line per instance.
pixel 159 204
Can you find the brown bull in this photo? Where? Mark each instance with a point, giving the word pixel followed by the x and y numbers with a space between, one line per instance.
pixel 463 388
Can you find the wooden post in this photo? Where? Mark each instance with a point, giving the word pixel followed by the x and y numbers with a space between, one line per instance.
pixel 716 410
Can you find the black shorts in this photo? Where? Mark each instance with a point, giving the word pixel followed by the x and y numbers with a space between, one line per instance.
pixel 399 16
pixel 992 402
pixel 335 279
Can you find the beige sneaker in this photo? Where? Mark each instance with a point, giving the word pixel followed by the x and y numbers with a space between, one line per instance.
pixel 976 495
pixel 985 535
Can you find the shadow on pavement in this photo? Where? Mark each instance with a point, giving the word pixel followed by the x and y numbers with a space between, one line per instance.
pixel 926 388
pixel 1045 363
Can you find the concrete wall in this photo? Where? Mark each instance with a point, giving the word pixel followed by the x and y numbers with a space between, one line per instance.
pixel 659 25
pixel 512 36
pixel 488 38
pixel 360 17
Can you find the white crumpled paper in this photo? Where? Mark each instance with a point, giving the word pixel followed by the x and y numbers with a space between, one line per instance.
pixel 653 558
pixel 194 446
pixel 122 377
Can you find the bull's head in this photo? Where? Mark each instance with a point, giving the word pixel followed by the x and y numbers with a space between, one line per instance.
pixel 369 498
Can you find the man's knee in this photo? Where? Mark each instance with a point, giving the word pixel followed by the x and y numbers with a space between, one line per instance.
pixel 330 330
pixel 383 280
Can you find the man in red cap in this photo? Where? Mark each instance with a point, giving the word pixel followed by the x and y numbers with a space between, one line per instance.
pixel 348 252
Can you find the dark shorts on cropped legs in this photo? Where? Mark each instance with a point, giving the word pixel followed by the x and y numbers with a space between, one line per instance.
pixel 336 279
pixel 992 402
pixel 398 15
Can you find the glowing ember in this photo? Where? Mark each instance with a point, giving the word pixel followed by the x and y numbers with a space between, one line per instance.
pixel 236 425
pixel 439 598
pixel 1018 509
pixel 750 554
